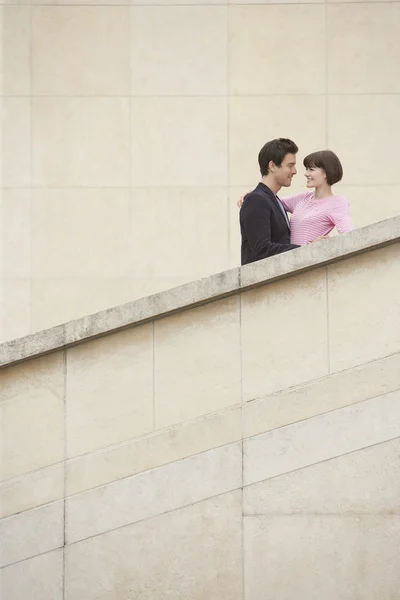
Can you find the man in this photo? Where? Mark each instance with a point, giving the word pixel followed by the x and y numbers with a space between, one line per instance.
pixel 264 223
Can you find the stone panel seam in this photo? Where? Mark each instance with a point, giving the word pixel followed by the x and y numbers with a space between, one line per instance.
pixel 156 468
pixel 18 562
pixel 159 466
pixel 328 349
pixel 314 416
pixel 153 376
pixel 242 447
pixel 344 515
pixel 115 481
pixel 31 510
pixel 228 118
pixel 326 77
pixel 198 293
pixel 311 461
pixel 359 446
pixel 244 516
pixel 320 462
pixel 30 167
pixel 197 187
pixel 199 95
pixel 130 17
pixel 167 512
pixel 325 460
pixel 26 475
pixel 65 473
pixel 99 451
pixel 205 499
pixel 323 378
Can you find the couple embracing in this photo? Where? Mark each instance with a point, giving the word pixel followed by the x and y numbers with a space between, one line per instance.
pixel 265 227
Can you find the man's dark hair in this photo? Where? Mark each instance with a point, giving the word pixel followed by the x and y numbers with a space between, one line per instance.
pixel 276 151
pixel 328 162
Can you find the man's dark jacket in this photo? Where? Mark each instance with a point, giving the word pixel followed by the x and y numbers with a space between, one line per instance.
pixel 264 229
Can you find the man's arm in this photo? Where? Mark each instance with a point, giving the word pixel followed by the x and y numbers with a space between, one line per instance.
pixel 256 218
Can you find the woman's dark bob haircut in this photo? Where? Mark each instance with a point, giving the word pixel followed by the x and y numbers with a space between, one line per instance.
pixel 328 162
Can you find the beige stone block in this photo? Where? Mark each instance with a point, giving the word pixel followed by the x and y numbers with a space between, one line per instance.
pixel 372 203
pixel 80 50
pixel 346 1
pixel 89 234
pixel 169 53
pixel 78 142
pixel 1 54
pixel 32 532
pixel 191 553
pixel 195 293
pixel 154 492
pixel 177 299
pixel 15 233
pixel 15 317
pixel 15 117
pixel 358 129
pixel 14 52
pixel 362 482
pixel 148 452
pixel 32 404
pixel 364 308
pixel 80 2
pixel 284 334
pixel 195 243
pixel 29 491
pixel 321 438
pixel 324 395
pixel 176 2
pixel 31 346
pixel 109 390
pixel 56 301
pixel 272 2
pixel 197 362
pixel 146 286
pixel 321 254
pixel 363 48
pixel 327 557
pixel 189 133
pixel 39 578
pixel 257 64
pixel 254 121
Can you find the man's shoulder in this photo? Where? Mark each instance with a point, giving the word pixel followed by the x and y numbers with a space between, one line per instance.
pixel 255 203
pixel 260 193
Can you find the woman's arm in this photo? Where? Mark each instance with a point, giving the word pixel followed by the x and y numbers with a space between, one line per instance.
pixel 340 216
pixel 290 202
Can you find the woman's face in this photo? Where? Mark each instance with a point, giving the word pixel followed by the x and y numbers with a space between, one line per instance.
pixel 315 177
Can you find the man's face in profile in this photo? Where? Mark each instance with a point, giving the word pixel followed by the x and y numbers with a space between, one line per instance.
pixel 285 173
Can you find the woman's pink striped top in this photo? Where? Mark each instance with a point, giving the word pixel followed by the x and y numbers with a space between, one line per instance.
pixel 312 218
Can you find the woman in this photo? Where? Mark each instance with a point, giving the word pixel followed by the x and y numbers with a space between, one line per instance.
pixel 316 213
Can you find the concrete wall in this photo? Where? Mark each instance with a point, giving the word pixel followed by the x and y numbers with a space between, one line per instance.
pixel 130 129
pixel 247 448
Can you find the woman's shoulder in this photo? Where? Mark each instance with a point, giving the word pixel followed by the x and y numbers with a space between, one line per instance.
pixel 297 199
pixel 301 196
pixel 303 199
pixel 339 200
